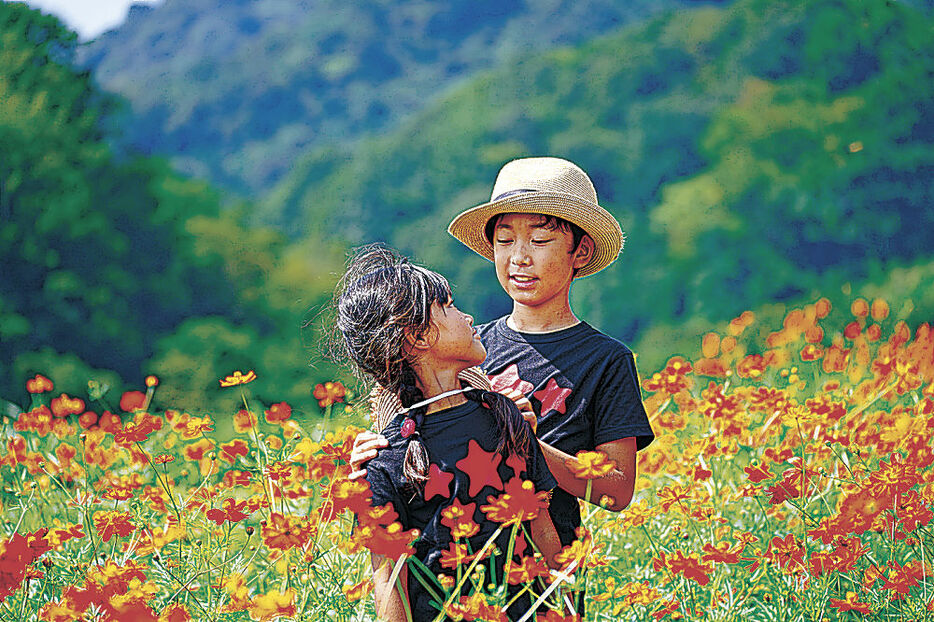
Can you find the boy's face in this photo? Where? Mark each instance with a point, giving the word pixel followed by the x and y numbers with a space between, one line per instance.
pixel 534 264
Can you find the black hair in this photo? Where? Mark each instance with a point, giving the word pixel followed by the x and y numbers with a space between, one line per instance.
pixel 382 301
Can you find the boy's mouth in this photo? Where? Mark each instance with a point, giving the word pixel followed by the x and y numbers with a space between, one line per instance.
pixel 522 280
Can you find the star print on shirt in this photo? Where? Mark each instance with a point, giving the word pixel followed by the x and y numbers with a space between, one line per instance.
pixel 480 467
pixel 552 397
pixel 509 379
pixel 439 482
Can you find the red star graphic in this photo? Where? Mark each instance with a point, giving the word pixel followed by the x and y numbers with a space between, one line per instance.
pixel 517 464
pixel 509 379
pixel 439 482
pixel 552 397
pixel 480 467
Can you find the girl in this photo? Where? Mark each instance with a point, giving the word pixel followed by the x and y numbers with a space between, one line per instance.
pixel 450 445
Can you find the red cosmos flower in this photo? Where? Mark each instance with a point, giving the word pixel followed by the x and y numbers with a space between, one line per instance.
pixel 111 523
pixel 39 384
pixel 244 421
pixel 690 566
pixel 722 553
pixel 132 433
pixel 163 459
pixel 87 420
pixel 232 512
pixel 329 393
pixel 670 495
pixel 758 473
pixel 278 413
pixel 850 603
pixel 784 551
pixel 899 580
pixel 278 471
pixel 232 479
pixel 132 401
pixel 230 451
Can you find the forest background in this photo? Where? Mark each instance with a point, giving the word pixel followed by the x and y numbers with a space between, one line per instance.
pixel 177 196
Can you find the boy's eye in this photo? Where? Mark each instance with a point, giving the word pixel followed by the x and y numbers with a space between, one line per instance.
pixel 544 241
pixel 503 241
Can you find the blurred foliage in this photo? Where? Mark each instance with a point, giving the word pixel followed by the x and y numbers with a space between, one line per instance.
pixel 245 88
pixel 117 262
pixel 755 153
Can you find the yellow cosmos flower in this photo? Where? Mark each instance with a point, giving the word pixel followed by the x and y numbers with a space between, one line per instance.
pixel 238 377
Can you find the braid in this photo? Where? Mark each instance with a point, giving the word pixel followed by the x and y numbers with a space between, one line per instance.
pixel 515 435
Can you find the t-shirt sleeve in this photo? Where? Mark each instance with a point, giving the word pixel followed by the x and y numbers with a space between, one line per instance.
pixel 537 469
pixel 383 490
pixel 618 409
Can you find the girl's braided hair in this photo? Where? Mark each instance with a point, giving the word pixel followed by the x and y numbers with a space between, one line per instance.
pixel 381 303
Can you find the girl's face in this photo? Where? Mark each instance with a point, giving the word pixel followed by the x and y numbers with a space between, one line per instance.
pixel 453 337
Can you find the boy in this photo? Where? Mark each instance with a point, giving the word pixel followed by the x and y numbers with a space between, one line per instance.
pixel 542 229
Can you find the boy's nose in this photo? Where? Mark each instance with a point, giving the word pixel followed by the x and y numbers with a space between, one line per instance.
pixel 520 255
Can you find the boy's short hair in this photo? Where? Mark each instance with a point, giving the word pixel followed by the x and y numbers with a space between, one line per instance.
pixel 549 222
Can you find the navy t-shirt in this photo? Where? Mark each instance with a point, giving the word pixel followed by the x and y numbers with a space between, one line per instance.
pixel 448 435
pixel 583 386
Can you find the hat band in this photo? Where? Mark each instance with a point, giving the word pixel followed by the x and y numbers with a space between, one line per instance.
pixel 512 193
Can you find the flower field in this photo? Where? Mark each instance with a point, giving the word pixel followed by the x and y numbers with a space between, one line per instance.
pixel 791 479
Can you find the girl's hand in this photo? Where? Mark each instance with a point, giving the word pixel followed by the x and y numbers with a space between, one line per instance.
pixel 365 447
pixel 524 405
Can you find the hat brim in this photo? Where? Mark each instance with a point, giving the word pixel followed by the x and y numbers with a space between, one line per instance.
pixel 469 226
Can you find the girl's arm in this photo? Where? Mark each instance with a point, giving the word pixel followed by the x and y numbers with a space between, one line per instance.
pixel 545 537
pixel 390 605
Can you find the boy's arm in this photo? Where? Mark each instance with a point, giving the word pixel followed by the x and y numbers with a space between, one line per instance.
pixel 389 603
pixel 618 484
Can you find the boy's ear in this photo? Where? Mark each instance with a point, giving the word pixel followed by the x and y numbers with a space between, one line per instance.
pixel 584 252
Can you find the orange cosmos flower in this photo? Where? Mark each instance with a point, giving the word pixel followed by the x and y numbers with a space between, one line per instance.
pixel 244 421
pixel 238 377
pixel 518 503
pixel 283 532
pixel 132 401
pixel 329 393
pixel 355 592
pixel 39 384
pixel 151 382
pixel 590 465
pixel 527 571
pixel 459 519
pixel 850 603
pixel 273 605
pixel 65 405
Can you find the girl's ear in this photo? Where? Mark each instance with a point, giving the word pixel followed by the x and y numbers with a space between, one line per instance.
pixel 414 344
pixel 584 252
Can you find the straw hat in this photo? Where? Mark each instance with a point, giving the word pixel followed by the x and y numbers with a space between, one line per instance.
pixel 384 404
pixel 549 186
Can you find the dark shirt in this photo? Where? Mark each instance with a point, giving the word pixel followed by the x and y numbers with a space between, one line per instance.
pixel 447 435
pixel 583 386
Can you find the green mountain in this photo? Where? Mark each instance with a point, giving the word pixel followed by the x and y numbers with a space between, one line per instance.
pixel 761 152
pixel 236 91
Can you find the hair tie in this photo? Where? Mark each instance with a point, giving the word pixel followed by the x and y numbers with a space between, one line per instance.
pixel 411 424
